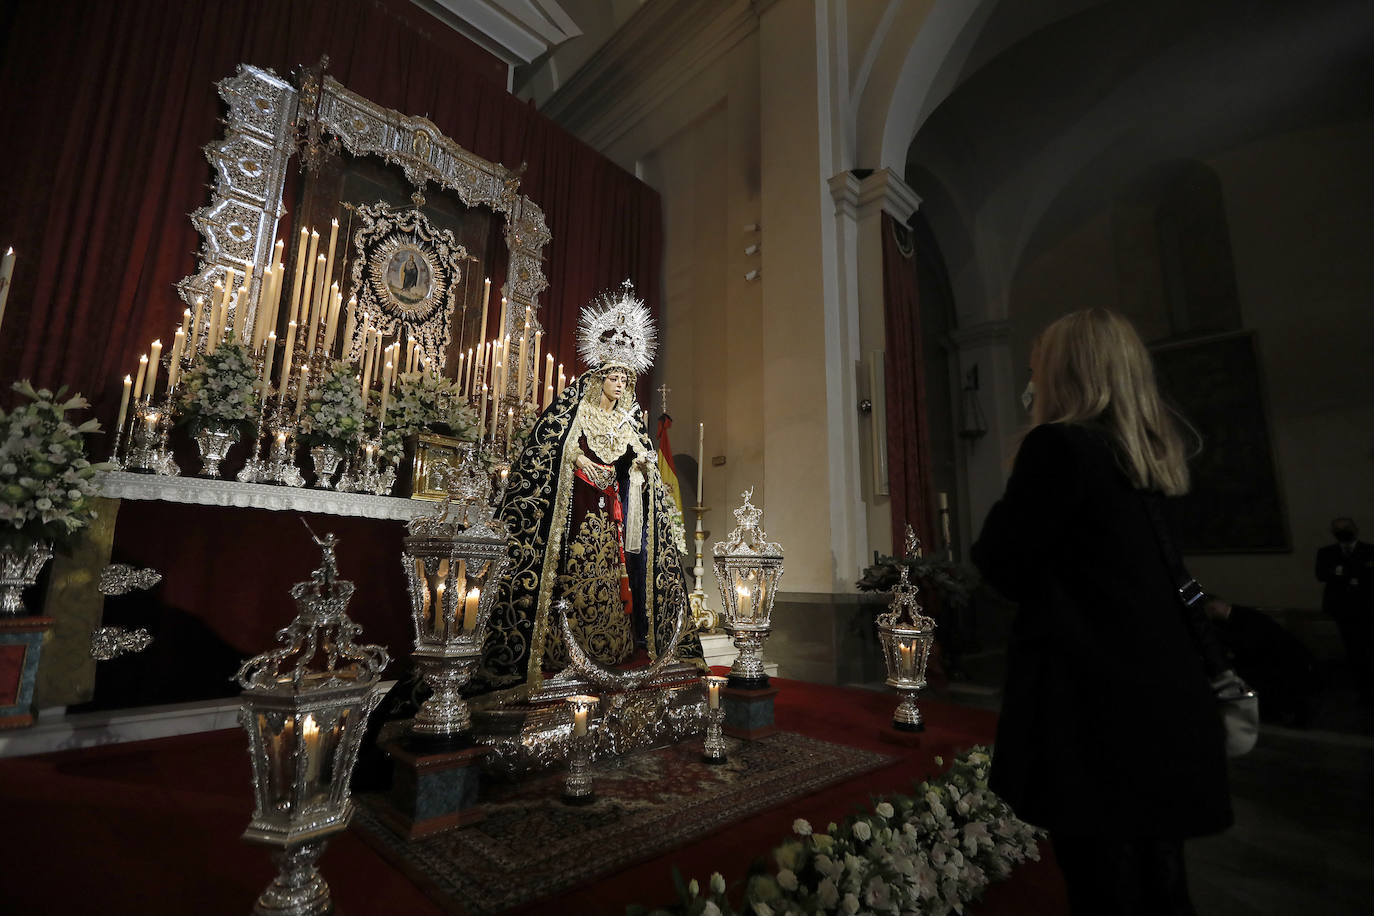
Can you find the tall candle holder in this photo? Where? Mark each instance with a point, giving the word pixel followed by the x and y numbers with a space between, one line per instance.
pixel 577 790
pixel 705 619
pixel 713 748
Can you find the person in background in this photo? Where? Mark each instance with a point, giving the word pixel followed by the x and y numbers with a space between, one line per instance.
pixel 1268 658
pixel 1347 569
pixel 1109 734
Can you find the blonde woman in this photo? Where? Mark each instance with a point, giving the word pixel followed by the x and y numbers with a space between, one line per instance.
pixel 1109 734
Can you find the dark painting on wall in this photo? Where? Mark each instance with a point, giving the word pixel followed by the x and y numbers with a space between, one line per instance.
pixel 1235 505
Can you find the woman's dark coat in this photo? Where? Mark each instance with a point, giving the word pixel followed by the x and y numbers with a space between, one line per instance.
pixel 1108 723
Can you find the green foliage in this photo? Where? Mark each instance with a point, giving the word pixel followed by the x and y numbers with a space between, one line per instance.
pixel 954 583
pixel 47 486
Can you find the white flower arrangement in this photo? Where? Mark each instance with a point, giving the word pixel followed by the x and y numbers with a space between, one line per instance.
pixel 426 402
pixel 221 390
pixel 47 486
pixel 334 409
pixel 928 853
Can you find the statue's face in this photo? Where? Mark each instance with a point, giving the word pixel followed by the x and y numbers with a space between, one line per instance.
pixel 613 385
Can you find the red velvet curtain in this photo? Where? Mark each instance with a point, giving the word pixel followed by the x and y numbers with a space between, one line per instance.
pixel 908 436
pixel 107 107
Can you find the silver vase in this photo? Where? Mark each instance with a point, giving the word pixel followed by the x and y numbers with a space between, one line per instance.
pixel 19 569
pixel 326 460
pixel 214 443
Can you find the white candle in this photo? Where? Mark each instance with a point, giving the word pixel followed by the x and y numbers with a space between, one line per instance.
pixel 329 258
pixel 944 500
pixel 174 363
pixel 317 307
pixel 580 720
pixel 482 414
pixel 300 389
pixel 350 325
pixel 562 382
pixel 331 325
pixel 6 275
pixel 701 459
pixel 470 604
pixel 907 654
pixel 140 376
pixel 123 406
pixel 386 393
pixel 198 310
pixel 185 321
pixel 367 363
pixel 264 308
pixel 154 360
pixel 713 693
pixel 212 339
pixel 486 298
pixel 744 603
pixel 301 258
pixel 287 350
pixel 267 362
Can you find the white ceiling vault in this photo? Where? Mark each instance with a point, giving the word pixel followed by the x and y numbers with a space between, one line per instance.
pixel 516 31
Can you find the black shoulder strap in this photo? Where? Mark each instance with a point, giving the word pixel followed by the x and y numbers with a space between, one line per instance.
pixel 1190 593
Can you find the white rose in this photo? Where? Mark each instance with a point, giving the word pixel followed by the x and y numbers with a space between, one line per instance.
pixel 862 831
pixel 884 810
pixel 787 879
pixel 717 883
pixel 801 827
pixel 710 909
pixel 850 904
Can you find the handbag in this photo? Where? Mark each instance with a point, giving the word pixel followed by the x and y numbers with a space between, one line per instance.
pixel 1237 703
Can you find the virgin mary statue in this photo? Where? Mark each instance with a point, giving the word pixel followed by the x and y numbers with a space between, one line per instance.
pixel 590 520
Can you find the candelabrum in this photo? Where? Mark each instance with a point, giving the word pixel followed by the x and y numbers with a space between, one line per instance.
pixel 705 619
pixel 906 636
pixel 713 749
pixel 326 459
pixel 577 790
pixel 372 474
pixel 748 567
pixel 148 451
pixel 280 466
pixel 305 711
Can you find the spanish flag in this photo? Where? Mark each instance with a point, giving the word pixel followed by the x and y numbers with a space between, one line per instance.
pixel 665 463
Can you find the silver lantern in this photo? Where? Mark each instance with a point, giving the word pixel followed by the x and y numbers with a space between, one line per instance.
pixel 906 636
pixel 452 563
pixel 305 707
pixel 748 567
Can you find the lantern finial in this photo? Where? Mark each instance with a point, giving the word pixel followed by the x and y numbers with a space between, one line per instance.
pixel 321 627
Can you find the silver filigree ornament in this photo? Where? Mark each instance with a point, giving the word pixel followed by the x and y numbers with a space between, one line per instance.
pixel 748 567
pixel 906 635
pixel 121 578
pixel 616 329
pixel 305 708
pixel 112 642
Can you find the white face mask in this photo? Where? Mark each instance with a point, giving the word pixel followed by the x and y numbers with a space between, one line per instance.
pixel 1028 396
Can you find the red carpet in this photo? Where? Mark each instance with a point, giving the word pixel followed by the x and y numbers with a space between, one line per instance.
pixel 153 827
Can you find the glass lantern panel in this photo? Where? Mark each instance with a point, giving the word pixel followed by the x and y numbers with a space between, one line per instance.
pixel 278 740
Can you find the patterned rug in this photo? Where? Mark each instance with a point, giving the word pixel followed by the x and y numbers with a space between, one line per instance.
pixel 531 845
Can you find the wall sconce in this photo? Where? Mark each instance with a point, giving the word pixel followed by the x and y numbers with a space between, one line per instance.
pixel 973 425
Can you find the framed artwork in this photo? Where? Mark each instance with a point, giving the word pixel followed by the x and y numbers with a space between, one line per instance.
pixel 1236 501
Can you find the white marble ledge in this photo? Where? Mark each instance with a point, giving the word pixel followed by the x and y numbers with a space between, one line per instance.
pixel 201 491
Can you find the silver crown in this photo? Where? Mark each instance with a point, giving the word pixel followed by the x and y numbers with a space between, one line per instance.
pixel 616 329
